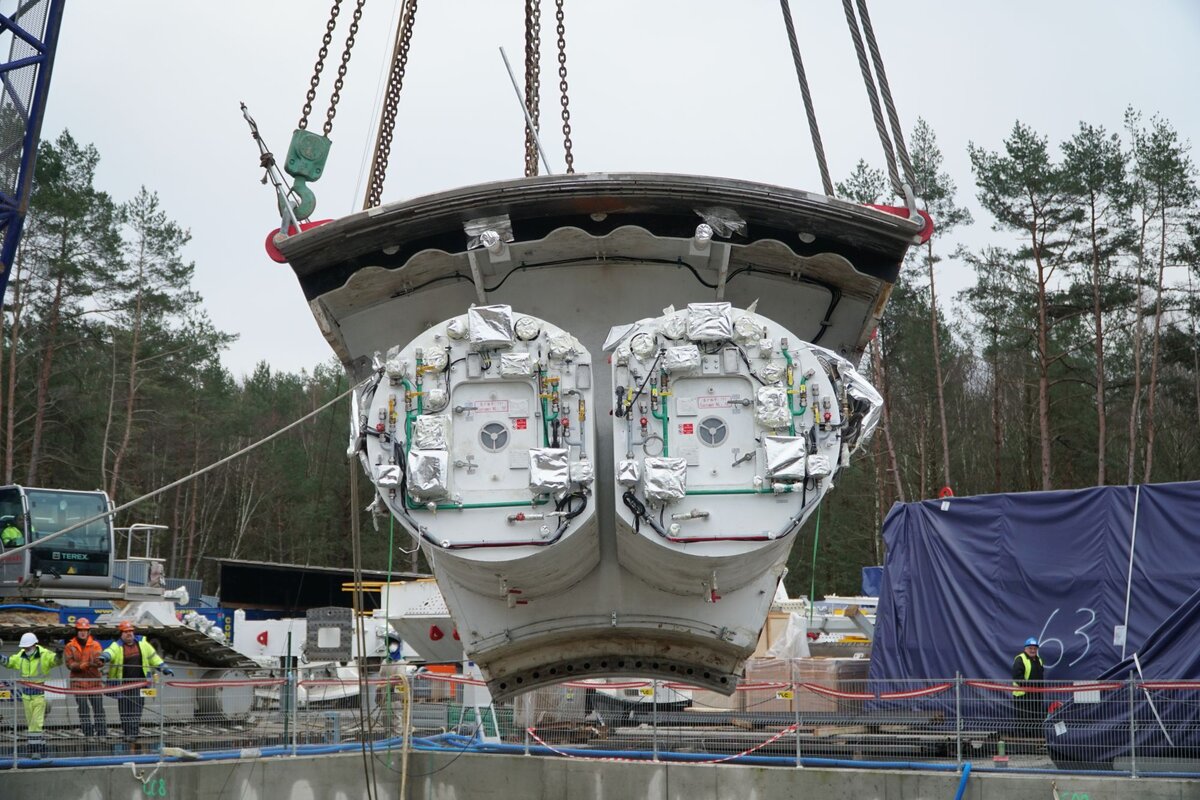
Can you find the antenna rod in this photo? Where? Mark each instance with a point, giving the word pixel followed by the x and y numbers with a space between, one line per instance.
pixel 528 119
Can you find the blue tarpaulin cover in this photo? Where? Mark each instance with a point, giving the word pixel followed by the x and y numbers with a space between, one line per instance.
pixel 872 579
pixel 1084 734
pixel 968 579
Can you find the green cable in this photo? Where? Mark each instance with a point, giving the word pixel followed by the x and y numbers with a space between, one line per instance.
pixel 386 599
pixel 812 589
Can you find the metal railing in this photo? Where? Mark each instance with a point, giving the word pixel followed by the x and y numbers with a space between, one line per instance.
pixel 1134 727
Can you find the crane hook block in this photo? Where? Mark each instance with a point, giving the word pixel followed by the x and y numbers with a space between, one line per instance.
pixel 305 162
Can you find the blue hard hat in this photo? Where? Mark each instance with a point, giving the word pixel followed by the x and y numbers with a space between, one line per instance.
pixel 1031 641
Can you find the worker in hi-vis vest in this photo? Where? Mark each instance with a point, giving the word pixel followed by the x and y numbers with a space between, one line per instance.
pixel 1028 672
pixel 130 661
pixel 34 662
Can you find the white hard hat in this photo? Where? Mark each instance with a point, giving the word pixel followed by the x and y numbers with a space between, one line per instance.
pixel 28 640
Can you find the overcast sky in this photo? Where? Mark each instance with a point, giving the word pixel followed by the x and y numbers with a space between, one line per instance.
pixel 701 86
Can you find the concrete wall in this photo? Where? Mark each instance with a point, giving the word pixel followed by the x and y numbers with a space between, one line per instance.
pixel 437 776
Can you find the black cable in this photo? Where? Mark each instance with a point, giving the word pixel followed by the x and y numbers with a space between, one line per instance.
pixel 649 372
pixel 633 504
pixel 454 276
pixel 746 361
pixel 571 514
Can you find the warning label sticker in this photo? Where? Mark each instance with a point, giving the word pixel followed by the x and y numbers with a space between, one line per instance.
pixel 687 429
pixel 714 401
pixel 490 406
pixel 520 423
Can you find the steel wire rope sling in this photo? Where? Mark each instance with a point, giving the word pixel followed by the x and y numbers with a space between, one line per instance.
pixel 308 151
pixel 893 143
pixel 802 77
pixel 387 116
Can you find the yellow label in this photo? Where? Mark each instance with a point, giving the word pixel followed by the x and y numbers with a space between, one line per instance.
pixel 786 694
pixel 149 692
pixel 646 691
pixel 5 694
pixel 399 688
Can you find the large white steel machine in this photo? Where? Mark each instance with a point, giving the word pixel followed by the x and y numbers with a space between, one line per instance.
pixel 605 404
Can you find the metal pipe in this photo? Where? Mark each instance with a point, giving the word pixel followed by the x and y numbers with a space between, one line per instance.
pixel 524 110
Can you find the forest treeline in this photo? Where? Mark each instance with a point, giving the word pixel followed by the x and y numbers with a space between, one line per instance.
pixel 1070 359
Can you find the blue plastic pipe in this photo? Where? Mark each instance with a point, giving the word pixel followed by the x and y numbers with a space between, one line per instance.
pixel 962 783
pixel 216 755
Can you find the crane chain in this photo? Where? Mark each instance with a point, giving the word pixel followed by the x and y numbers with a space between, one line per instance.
pixel 341 73
pixel 533 80
pixel 319 67
pixel 387 121
pixel 562 86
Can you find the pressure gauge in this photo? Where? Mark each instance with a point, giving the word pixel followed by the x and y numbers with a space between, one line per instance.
pixel 746 330
pixel 435 358
pixel 642 346
pixel 674 326
pixel 771 371
pixel 456 328
pixel 435 399
pixel 622 354
pixel 527 328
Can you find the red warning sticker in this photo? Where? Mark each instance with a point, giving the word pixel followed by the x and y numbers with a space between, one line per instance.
pixel 520 422
pixel 687 429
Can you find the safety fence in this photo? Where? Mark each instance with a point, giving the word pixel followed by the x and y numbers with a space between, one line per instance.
pixel 1130 726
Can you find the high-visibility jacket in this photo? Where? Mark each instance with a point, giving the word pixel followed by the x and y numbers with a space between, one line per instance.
pixel 11 536
pixel 83 661
pixel 34 668
pixel 1023 668
pixel 116 667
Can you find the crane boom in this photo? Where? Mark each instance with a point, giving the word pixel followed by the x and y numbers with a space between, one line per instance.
pixel 31 34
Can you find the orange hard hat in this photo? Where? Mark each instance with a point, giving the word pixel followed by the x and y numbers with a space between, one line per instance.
pixel 82 624
pixel 125 626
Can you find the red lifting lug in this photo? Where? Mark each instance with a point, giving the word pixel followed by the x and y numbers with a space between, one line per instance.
pixel 900 211
pixel 522 602
pixel 713 596
pixel 455 635
pixel 273 251
pixel 435 633
pixel 262 638
pixel 380 427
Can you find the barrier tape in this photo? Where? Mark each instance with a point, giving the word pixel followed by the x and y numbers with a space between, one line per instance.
pixel 228 683
pixel 824 690
pixel 348 682
pixel 121 687
pixel 1169 685
pixel 903 695
pixel 771 740
pixel 1006 687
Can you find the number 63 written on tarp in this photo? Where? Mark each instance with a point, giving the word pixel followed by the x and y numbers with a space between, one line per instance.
pixel 1081 632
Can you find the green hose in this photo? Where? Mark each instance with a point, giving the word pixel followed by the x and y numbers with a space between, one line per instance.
pixel 812 589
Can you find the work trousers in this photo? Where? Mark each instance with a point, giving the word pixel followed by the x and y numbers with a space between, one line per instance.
pixel 35 710
pixel 129 705
pixel 1030 711
pixel 91 714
